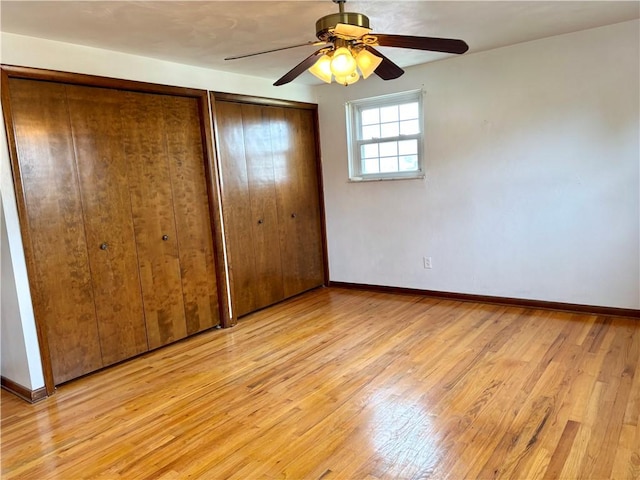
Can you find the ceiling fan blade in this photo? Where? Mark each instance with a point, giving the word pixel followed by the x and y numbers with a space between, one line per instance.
pixel 275 50
pixel 446 45
pixel 387 70
pixel 299 69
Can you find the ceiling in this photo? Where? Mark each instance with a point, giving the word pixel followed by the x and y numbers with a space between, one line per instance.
pixel 203 33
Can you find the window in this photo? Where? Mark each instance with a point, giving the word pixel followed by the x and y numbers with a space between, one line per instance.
pixel 385 137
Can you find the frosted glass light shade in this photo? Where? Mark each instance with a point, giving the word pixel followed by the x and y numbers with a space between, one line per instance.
pixel 348 79
pixel 343 63
pixel 322 68
pixel 367 62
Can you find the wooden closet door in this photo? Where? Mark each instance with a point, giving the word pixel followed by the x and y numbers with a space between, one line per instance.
pixel 191 206
pixel 251 214
pixel 271 202
pixel 264 209
pixel 62 292
pixel 153 217
pixel 102 169
pixel 237 212
pixel 294 139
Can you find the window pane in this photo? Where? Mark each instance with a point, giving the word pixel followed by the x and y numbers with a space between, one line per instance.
pixel 370 165
pixel 389 114
pixel 408 147
pixel 388 149
pixel 409 111
pixel 385 135
pixel 371 131
pixel 408 163
pixel 409 127
pixel 370 151
pixel 389 129
pixel 389 164
pixel 370 116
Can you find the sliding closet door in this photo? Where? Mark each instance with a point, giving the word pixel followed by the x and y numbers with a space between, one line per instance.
pixel 153 217
pixel 63 297
pixel 102 169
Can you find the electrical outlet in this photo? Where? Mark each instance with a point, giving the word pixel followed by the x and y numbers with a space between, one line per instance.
pixel 426 262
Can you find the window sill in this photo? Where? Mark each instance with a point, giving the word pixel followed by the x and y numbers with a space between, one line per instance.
pixel 418 176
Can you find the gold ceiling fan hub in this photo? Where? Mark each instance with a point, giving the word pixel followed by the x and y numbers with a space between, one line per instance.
pixel 329 22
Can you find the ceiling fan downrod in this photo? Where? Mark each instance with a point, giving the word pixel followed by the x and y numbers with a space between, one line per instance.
pixel 329 22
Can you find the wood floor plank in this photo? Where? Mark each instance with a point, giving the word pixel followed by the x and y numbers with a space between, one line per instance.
pixel 341 384
pixel 627 460
pixel 562 450
pixel 578 453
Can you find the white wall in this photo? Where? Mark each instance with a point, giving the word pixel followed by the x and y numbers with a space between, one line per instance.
pixel 36 52
pixel 20 357
pixel 532 187
pixel 19 363
pixel 19 350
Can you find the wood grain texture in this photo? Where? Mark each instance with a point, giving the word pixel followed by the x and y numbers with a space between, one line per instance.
pixel 236 209
pixel 191 208
pixel 25 232
pixel 298 206
pixel 344 384
pixel 259 156
pixel 153 217
pixel 103 206
pixel 271 201
pixel 102 170
pixel 64 299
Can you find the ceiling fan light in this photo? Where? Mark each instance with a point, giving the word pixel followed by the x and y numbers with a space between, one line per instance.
pixel 343 63
pixel 322 68
pixel 367 62
pixel 348 79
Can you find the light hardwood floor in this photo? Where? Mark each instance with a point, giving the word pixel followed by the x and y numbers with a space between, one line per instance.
pixel 341 384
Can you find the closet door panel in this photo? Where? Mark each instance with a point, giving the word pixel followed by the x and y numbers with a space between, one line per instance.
pixel 191 206
pixel 299 210
pixel 311 264
pixel 102 170
pixel 269 174
pixel 262 192
pixel 237 207
pixel 63 296
pixel 153 217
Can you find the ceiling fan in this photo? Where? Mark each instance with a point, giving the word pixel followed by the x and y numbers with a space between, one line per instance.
pixel 348 50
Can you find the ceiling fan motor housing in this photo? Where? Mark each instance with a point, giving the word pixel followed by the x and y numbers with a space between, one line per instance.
pixel 328 22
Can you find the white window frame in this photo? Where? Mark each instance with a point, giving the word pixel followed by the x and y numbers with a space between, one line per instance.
pixel 354 142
